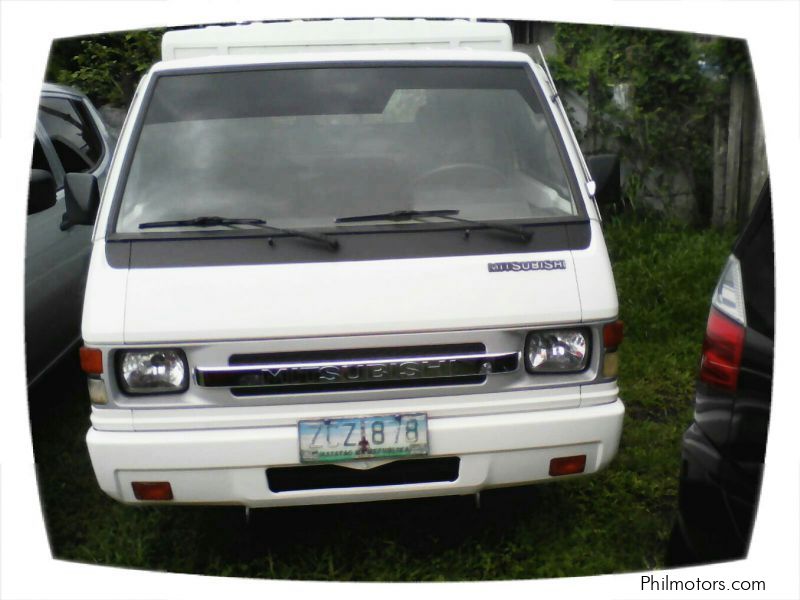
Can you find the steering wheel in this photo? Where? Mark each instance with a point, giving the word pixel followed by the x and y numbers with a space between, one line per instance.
pixel 452 170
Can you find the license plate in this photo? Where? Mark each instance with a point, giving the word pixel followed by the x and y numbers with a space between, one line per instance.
pixel 389 436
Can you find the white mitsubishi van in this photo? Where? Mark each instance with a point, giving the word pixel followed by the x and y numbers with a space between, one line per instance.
pixel 345 261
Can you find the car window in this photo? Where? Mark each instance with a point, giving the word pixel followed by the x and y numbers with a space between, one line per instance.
pixel 334 142
pixel 72 133
pixel 39 160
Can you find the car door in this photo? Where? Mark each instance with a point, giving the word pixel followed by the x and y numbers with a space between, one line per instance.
pixel 56 261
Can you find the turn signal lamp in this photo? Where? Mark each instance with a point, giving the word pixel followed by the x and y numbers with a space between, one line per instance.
pixel 613 334
pixel 97 390
pixel 91 360
pixel 611 365
pixel 92 365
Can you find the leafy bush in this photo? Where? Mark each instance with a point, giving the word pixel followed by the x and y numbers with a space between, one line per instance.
pixel 665 274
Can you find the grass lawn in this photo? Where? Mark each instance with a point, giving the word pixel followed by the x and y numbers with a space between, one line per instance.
pixel 613 522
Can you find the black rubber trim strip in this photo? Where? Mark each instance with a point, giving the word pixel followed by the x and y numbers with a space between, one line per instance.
pixel 318 388
pixel 418 243
pixel 400 472
pixel 355 354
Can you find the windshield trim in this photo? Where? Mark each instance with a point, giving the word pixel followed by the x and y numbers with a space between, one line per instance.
pixel 340 230
pixel 155 76
pixel 242 250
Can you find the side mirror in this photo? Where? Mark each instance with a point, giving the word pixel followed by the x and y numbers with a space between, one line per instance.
pixel 81 199
pixel 41 191
pixel 606 174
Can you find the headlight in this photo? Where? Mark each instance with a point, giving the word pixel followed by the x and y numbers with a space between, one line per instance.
pixel 155 371
pixel 557 351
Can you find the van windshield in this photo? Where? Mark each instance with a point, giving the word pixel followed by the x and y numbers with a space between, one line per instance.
pixel 301 147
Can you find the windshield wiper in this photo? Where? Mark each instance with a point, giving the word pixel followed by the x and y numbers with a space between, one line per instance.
pixel 398 215
pixel 407 215
pixel 211 221
pixel 201 222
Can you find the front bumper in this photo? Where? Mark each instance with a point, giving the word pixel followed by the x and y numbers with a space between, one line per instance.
pixel 228 466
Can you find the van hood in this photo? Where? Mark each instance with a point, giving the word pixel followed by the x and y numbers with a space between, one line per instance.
pixel 271 301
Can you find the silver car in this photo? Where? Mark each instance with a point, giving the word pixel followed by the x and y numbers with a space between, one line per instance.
pixel 70 137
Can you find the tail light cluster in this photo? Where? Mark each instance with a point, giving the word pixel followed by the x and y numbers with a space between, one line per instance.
pixel 724 339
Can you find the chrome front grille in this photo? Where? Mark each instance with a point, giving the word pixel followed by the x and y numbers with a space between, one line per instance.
pixel 376 368
pixel 415 394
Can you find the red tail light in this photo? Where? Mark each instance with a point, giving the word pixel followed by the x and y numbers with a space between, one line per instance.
pixel 722 351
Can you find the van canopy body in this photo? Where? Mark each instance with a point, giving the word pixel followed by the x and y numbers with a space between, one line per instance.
pixel 335 35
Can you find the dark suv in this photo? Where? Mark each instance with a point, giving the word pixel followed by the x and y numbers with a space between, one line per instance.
pixel 723 450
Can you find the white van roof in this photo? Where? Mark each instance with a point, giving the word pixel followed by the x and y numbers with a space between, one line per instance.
pixel 334 35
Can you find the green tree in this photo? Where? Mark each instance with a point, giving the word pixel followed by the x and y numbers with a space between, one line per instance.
pixel 676 84
pixel 106 67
